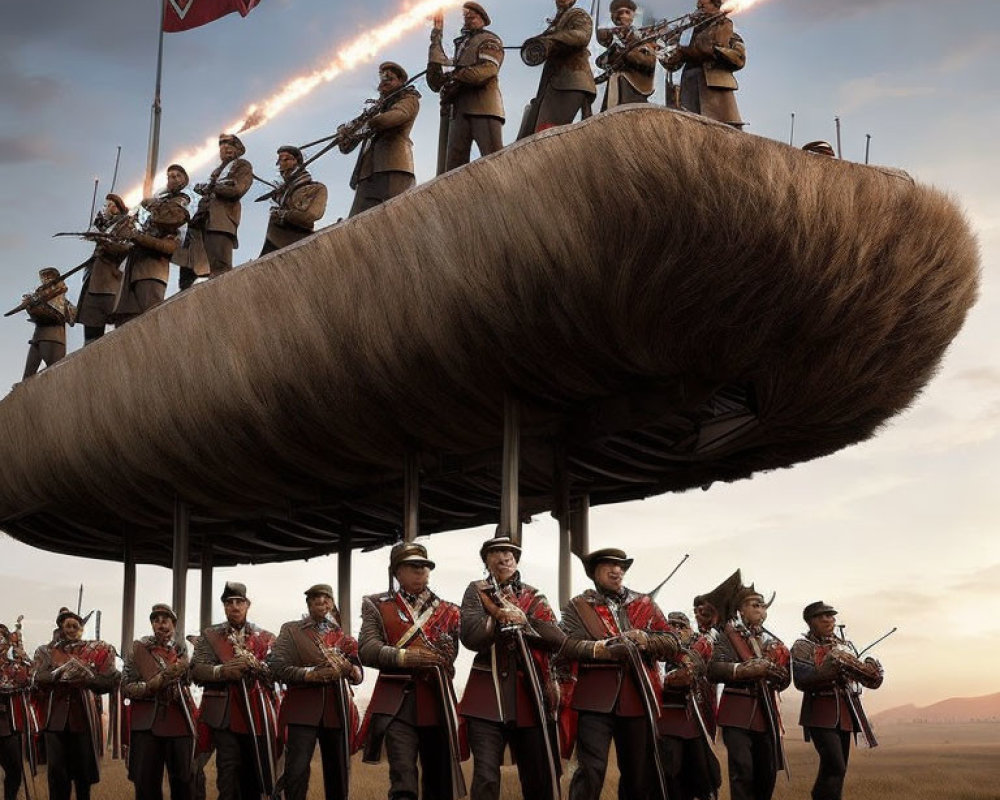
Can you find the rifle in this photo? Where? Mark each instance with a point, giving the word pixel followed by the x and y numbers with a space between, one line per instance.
pixel 670 30
pixel 355 128
pixel 47 290
pixel 663 583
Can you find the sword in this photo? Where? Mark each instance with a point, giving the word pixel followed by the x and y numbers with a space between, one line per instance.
pixel 650 705
pixel 345 778
pixel 458 787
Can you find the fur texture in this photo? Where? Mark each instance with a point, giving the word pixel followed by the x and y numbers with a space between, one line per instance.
pixel 643 251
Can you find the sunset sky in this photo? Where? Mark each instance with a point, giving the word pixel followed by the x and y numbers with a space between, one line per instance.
pixel 897 531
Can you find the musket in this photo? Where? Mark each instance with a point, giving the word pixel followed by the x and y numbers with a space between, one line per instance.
pixel 42 293
pixel 879 639
pixel 537 697
pixel 663 583
pixel 330 656
pixel 265 773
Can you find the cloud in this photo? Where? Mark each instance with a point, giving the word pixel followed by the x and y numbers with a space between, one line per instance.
pixel 21 149
pixel 21 91
pixel 981 377
pixel 861 92
pixel 824 9
pixel 983 581
pixel 969 53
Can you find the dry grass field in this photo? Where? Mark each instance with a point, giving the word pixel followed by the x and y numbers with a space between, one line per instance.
pixel 913 762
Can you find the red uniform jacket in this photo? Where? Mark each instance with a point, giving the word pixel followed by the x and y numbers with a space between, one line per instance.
pixel 161 713
pixel 742 704
pixel 684 686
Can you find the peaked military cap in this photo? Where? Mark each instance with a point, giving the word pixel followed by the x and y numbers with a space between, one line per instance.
pixel 293 151
pixel 820 147
pixel 479 10
pixel 164 609
pixel 117 200
pixel 817 609
pixel 395 69
pixel 747 592
pixel 234 589
pixel 610 554
pixel 47 273
pixel 679 617
pixel 234 140
pixel 65 614
pixel 499 543
pixel 409 553
pixel 182 171
pixel 318 589
pixel 619 4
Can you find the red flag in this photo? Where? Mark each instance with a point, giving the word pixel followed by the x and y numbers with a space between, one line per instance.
pixel 182 15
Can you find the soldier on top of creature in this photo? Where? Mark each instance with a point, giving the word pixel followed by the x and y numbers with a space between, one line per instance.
pixel 471 104
pixel 299 202
pixel 610 699
pixel 385 163
pixel 754 665
pixel 103 278
pixel 411 636
pixel 50 316
pixel 830 675
pixel 630 66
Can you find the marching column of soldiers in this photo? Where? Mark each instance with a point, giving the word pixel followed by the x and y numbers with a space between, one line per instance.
pixel 127 273
pixel 612 668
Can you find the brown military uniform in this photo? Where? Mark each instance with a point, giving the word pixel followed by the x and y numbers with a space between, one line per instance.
pixel 101 285
pixel 385 164
pixel 631 79
pixel 566 86
pixel 300 205
pixel 211 238
pixel 708 86
pixel 147 267
pixel 470 95
pixel 48 340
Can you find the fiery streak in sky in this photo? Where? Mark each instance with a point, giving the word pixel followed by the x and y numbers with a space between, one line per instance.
pixel 735 6
pixel 365 48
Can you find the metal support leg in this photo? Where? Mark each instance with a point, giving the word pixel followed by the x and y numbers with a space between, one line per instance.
pixel 411 497
pixel 579 526
pixel 205 606
pixel 128 597
pixel 182 549
pixel 510 513
pixel 344 581
pixel 560 510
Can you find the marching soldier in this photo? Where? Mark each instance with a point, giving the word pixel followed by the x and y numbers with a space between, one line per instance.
pixel 566 86
pixel 385 164
pixel 716 51
pixel 147 267
pixel 611 699
pixel 17 728
pixel 211 238
pixel 511 697
pixel 316 660
pixel 411 636
pixel 237 704
pixel 631 66
pixel 829 674
pixel 48 342
pixel 162 713
pixel 299 202
pixel 103 278
pixel 753 665
pixel 470 93
pixel 687 717
pixel 70 672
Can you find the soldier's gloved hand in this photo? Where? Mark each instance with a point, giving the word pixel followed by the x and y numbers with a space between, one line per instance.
pixel 679 677
pixel 200 188
pixel 512 615
pixel 234 669
pixel 639 637
pixel 612 650
pixel 322 674
pixel 418 658
pixel 776 673
pixel 155 683
pixel 752 670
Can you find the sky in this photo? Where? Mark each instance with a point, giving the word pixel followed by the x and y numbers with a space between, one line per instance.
pixel 897 531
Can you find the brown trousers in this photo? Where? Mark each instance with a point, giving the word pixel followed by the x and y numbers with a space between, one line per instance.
pixel 380 187
pixel 486 132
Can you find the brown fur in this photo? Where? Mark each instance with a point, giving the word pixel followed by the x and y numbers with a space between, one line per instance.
pixel 641 248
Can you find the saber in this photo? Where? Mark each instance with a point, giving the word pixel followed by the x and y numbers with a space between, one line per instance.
pixel 458 787
pixel 695 697
pixel 345 779
pixel 536 694
pixel 245 695
pixel 650 704
pixel 663 583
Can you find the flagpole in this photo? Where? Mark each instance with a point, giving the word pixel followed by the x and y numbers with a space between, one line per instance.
pixel 154 121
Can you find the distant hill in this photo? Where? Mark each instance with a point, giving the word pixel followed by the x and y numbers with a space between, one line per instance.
pixel 955 709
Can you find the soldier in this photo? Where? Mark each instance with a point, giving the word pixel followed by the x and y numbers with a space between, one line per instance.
pixel 411 636
pixel 48 342
pixel 470 93
pixel 299 202
pixel 17 730
pixel 211 238
pixel 69 673
pixel 316 660
pixel 820 148
pixel 566 86
pixel 716 51
pixel 161 715
pixel 147 267
pixel 510 699
pixel 630 65
pixel 103 278
pixel 385 164
pixel 828 672
pixel 237 704
pixel 753 665
pixel 611 700
pixel 687 717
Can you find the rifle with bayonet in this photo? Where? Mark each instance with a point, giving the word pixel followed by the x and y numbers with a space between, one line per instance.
pixel 49 290
pixel 348 134
pixel 668 31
